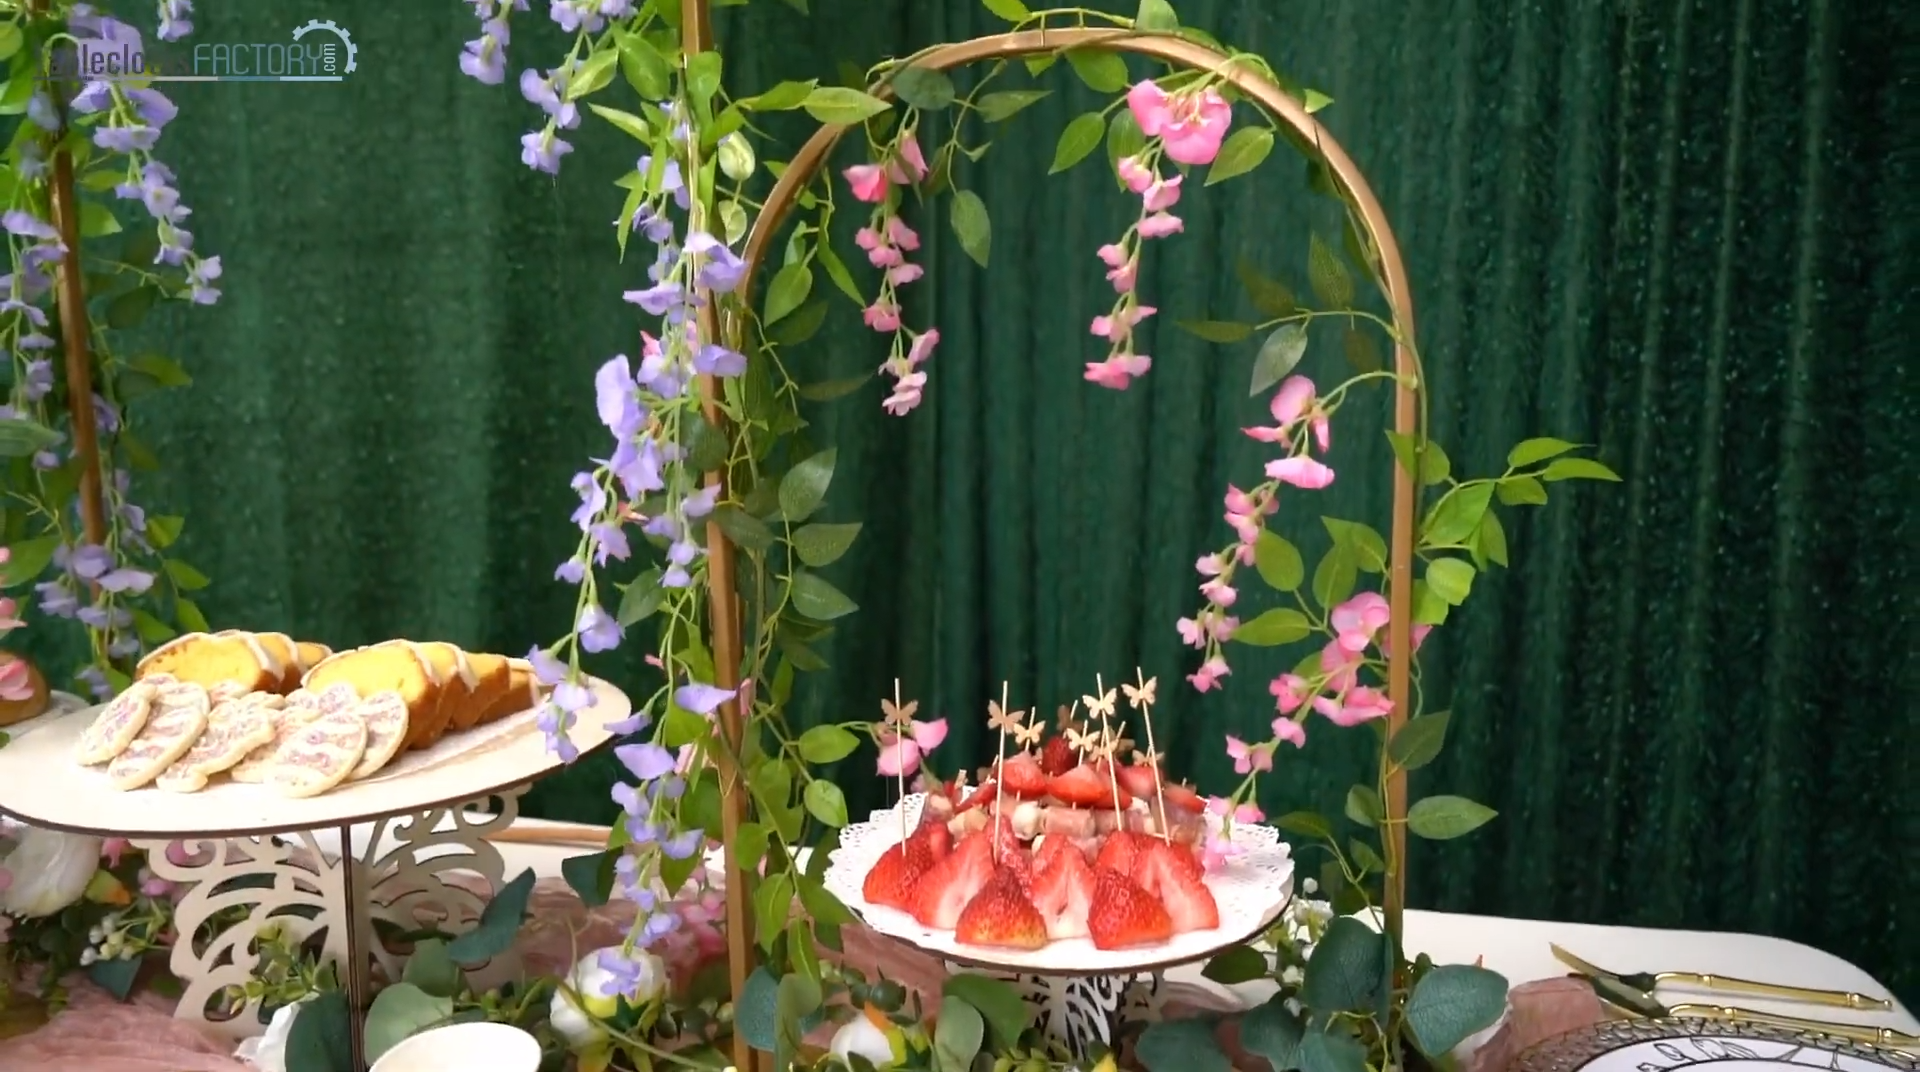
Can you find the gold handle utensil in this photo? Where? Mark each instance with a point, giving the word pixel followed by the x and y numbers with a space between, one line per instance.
pixel 1648 982
pixel 1867 1033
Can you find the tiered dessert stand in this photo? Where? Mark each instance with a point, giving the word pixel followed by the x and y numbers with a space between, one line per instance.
pixel 1079 995
pixel 422 819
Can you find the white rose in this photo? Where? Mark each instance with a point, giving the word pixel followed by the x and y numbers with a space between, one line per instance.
pixel 860 1035
pixel 50 871
pixel 268 1053
pixel 578 1023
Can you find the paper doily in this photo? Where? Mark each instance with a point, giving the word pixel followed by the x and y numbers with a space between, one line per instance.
pixel 1251 893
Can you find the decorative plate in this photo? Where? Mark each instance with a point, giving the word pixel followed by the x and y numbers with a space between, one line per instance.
pixel 1250 892
pixel 1674 1045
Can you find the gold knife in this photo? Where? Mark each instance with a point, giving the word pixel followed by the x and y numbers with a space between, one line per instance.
pixel 1648 982
pixel 1623 997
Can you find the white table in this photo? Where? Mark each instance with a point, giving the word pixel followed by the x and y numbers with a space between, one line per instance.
pixel 1517 949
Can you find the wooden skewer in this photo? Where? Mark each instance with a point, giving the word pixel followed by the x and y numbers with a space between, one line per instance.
pixel 1145 706
pixel 1000 768
pixel 900 743
pixel 1108 741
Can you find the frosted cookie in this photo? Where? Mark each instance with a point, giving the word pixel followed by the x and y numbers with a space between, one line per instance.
pixel 298 709
pixel 119 722
pixel 175 720
pixel 320 756
pixel 234 729
pixel 223 691
pixel 385 715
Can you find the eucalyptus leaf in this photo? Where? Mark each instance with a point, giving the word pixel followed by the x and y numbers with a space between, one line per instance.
pixel 499 923
pixel 1272 1032
pixel 999 1004
pixel 1279 354
pixel 318 1040
pixel 1183 1045
pixel 1236 964
pixel 432 969
pixel 1452 1003
pixel 957 1036
pixel 1343 974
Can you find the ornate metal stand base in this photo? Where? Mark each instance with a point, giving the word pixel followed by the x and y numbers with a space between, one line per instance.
pixel 242 886
pixel 1084 1010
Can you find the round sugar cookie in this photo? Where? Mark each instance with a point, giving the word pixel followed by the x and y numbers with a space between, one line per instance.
pixel 319 756
pixel 385 715
pixel 118 723
pixel 175 720
pixel 295 710
pixel 234 729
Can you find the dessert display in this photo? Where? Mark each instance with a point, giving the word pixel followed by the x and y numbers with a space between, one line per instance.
pixel 296 717
pixel 1072 841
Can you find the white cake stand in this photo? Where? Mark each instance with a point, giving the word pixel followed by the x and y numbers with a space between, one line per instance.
pixel 432 812
pixel 1079 994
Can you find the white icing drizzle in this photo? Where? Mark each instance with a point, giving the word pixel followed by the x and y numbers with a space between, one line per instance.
pixel 255 645
pixel 465 668
pixel 420 656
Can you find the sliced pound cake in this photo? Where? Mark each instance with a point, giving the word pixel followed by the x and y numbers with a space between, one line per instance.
pixel 399 666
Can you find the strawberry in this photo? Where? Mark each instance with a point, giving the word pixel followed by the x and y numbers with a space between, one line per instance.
pixel 1122 915
pixel 978 797
pixel 1119 852
pixel 936 838
pixel 1182 798
pixel 894 874
pixel 1001 915
pixel 1140 782
pixel 945 889
pixel 1087 788
pixel 1137 780
pixel 1022 776
pixel 1057 757
pixel 1063 891
pixel 1046 856
pixel 1171 873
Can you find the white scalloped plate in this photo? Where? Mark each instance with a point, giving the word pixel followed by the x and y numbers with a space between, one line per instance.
pixel 1251 894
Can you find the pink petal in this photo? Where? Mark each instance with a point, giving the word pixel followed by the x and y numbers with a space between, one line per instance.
pixel 1300 471
pixel 1148 103
pixel 929 735
pixel 1292 732
pixel 1292 399
pixel 868 182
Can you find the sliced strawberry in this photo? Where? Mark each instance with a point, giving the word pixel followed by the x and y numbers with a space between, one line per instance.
pixel 978 797
pixel 1022 776
pixel 1001 915
pixel 1086 787
pixel 945 889
pixel 1183 798
pixel 1045 857
pixel 936 838
pixel 1119 852
pixel 1057 757
pixel 1122 915
pixel 1171 873
pixel 894 874
pixel 1137 780
pixel 1063 891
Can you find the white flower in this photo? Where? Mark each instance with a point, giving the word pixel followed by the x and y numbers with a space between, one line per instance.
pixel 579 1023
pixel 50 871
pixel 862 1036
pixel 268 1053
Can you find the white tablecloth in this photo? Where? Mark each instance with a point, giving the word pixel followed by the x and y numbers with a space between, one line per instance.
pixel 1517 949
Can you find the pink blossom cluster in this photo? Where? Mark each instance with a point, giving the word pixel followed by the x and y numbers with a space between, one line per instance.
pixel 887 240
pixel 1186 128
pixel 697 940
pixel 15 682
pixel 902 750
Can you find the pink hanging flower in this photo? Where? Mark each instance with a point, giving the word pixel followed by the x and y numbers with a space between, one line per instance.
pixel 1357 620
pixel 1341 666
pixel 9 612
pixel 1208 676
pixel 1160 225
pixel 1162 194
pixel 1136 176
pixel 900 754
pixel 882 315
pixel 1118 326
pixel 1289 692
pixel 907 165
pixel 907 392
pixel 1360 704
pixel 1118 371
pixel 868 182
pixel 1190 125
pixel 1300 471
pixel 1248 758
pixel 1219 593
pixel 1288 730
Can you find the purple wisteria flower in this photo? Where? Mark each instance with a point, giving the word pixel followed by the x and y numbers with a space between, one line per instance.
pixel 574 16
pixel 175 19
pixel 548 92
pixel 485 57
pixel 541 150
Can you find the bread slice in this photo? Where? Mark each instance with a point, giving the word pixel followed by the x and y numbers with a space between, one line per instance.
pixel 492 678
pixel 283 653
pixel 310 655
pixel 397 665
pixel 208 659
pixel 523 692
pixel 458 690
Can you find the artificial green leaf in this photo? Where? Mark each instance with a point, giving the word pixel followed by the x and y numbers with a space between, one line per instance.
pixel 836 270
pixel 1313 101
pixel 842 106
pixel 827 744
pixel 1278 562
pixel 1124 139
pixel 801 326
pixel 1452 1003
pixel 1577 469
pixel 1335 577
pixel 755 1012
pixel 957 1036
pixel 703 76
pixel 1269 296
pixel 972 225
pixel 1529 451
pixel 1216 330
pixel 139 455
pixel 1363 805
pixel 1443 818
pixel 1419 741
pixel 750 841
pixel 1331 1049
pixel 1272 1032
pixel 1521 491
pixel 1343 974
pixel 1435 466
pixel 185 577
pixel 997 1002
pixel 1369 547
pixel 640 599
pixel 782 98
pixel 116 976
pixel 923 88
pixel 998 107
pixel 591 876
pixel 1365 858
pixel 140 247
pixel 10 40
pixel 821 545
pixel 594 74
pixel 826 803
pixel 643 68
pixel 1457 515
pixel 707 446
pixel 1329 278
pixel 1360 351
pixel 796 1002
pixel 319 1040
pixel 430 968
pixel 189 616
pixel 743 528
pixel 152 631
pixel 1428 608
pixel 805 486
pixel 1011 10
pixel 164 372
pixel 1305 823
pixel 1244 150
pixel 129 309
pixel 1451 579
pixel 1102 71
pixel 1278 355
pixel 1236 964
pixel 499 923
pixel 1156 16
pixel 1281 625
pixel 787 292
pixel 21 437
pixel 818 600
pixel 1490 542
pixel 1079 138
pixel 1184 1045
pixel 831 389
pixel 1405 452
pixel 772 907
pixel 630 124
pixel 97 220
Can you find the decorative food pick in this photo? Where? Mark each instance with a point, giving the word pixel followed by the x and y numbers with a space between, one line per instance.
pixel 1083 742
pixel 900 717
pixel 1001 717
pixel 1101 704
pixel 1141 699
pixel 1029 735
pixel 1064 719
